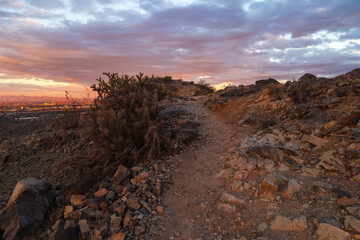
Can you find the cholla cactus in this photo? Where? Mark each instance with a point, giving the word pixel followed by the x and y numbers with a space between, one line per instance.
pixel 125 116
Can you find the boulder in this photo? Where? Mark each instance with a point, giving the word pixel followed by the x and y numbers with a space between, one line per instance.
pixel 328 232
pixel 26 208
pixel 266 82
pixel 27 185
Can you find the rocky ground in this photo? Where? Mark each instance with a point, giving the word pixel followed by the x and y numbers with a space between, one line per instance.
pixel 265 161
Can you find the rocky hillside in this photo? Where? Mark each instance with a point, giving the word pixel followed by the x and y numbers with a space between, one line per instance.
pixel 264 161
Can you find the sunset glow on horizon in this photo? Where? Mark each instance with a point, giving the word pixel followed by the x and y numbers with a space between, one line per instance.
pixel 49 47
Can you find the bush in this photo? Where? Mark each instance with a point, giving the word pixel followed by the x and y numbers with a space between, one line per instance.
pixel 124 119
pixel 71 118
pixel 204 85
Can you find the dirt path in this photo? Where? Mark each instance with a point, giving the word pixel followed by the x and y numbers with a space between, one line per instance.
pixel 191 200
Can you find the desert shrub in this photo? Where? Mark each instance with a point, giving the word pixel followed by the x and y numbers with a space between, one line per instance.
pixel 71 117
pixel 204 85
pixel 166 79
pixel 124 119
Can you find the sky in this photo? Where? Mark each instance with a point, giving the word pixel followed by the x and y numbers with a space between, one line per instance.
pixel 48 47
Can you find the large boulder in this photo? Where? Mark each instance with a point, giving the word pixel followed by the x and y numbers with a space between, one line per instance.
pixel 26 208
pixel 266 82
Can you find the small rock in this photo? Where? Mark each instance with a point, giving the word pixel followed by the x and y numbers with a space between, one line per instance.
pixel 157 188
pixel 352 224
pixel 314 140
pixel 118 236
pixel 95 235
pixel 146 206
pixel 119 209
pixel 329 125
pixel 69 223
pixel 225 207
pixel 281 223
pixel 127 220
pixel 77 200
pixel 119 188
pixel 75 215
pixel 262 227
pixel 121 174
pixel 101 192
pixel 139 230
pixel 133 203
pixel 344 201
pixel 226 173
pixel 90 214
pixel 142 177
pixel 68 209
pixel 159 209
pixel 115 223
pixel 240 175
pixel 84 228
pixel 293 187
pixel 110 195
pixel 237 185
pixel 274 182
pixel 328 232
pixel 299 223
pixel 226 197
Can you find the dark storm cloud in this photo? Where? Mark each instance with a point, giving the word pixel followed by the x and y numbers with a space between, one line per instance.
pixel 229 40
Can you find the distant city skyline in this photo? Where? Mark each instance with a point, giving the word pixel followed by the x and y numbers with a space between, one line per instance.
pixel 48 47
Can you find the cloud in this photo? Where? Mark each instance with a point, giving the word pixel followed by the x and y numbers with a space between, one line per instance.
pixel 75 41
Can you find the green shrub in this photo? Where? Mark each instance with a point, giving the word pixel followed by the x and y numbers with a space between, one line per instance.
pixel 124 118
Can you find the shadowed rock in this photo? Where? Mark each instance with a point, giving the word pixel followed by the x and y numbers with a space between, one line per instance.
pixel 266 82
pixel 26 208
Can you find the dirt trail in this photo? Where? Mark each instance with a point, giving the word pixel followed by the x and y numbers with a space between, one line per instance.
pixel 190 201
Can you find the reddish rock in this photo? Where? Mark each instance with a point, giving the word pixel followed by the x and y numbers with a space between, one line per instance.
pixel 344 201
pixel 118 236
pixel 77 200
pixel 101 192
pixel 133 203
